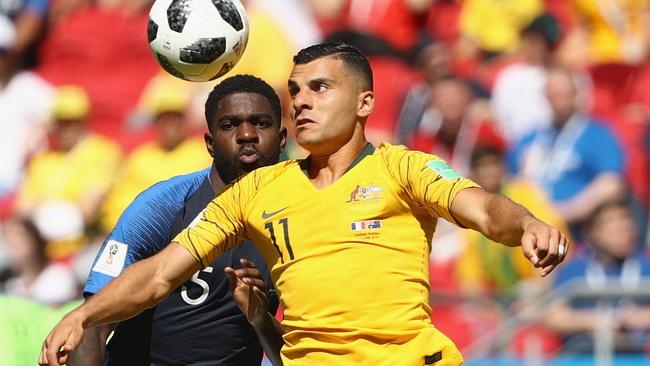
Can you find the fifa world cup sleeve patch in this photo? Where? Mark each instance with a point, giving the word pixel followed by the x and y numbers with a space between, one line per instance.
pixel 112 259
pixel 442 169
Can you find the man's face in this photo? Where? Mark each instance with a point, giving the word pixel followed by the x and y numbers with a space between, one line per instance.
pixel 561 95
pixel 614 232
pixel 451 99
pixel 488 172
pixel 327 100
pixel 170 129
pixel 66 133
pixel 244 135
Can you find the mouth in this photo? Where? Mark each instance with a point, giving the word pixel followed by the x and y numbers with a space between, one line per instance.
pixel 248 155
pixel 302 122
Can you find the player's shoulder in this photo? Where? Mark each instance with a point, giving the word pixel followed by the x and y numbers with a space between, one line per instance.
pixel 168 192
pixel 400 154
pixel 264 175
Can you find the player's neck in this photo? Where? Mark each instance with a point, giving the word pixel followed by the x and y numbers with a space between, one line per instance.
pixel 325 169
pixel 215 181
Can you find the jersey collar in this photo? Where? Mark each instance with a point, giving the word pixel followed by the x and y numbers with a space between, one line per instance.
pixel 369 149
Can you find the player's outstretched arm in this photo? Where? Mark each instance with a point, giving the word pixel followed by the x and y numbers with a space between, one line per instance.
pixel 92 349
pixel 249 292
pixel 141 286
pixel 507 222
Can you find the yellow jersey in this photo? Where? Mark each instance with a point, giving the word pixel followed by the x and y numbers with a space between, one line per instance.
pixel 350 261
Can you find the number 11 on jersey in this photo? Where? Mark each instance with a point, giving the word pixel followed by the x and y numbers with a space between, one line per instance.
pixel 285 226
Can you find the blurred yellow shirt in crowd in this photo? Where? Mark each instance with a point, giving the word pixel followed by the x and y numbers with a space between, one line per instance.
pixel 146 166
pixel 487 265
pixel 89 168
pixel 495 24
pixel 269 54
pixel 617 28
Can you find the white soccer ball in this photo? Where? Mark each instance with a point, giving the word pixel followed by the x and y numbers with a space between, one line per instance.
pixel 197 40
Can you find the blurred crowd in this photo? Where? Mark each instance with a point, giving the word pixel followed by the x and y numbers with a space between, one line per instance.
pixel 544 101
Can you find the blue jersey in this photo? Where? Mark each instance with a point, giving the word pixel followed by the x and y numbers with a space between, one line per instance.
pixel 199 323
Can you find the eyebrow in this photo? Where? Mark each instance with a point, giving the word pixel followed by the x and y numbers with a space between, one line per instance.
pixel 322 80
pixel 250 116
pixel 292 83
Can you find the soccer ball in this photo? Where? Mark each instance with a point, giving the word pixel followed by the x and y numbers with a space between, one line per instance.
pixel 197 40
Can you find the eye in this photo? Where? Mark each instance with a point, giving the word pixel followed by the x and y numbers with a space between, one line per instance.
pixel 226 125
pixel 262 122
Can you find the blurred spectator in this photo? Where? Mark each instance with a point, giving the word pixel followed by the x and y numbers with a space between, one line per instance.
pixel 76 169
pixel 34 278
pixel 577 161
pixel 103 49
pixel 28 17
pixel 611 261
pixel 518 98
pixel 446 128
pixel 494 25
pixel 616 31
pixel 486 267
pixel 173 152
pixel 24 107
pixel 433 60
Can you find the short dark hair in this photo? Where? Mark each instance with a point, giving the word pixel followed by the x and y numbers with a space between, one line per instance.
pixel 350 55
pixel 242 84
pixel 595 215
pixel 484 151
pixel 545 26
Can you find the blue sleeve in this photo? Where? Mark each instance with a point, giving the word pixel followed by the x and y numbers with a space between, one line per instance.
pixel 575 268
pixel 513 157
pixel 143 229
pixel 39 7
pixel 608 157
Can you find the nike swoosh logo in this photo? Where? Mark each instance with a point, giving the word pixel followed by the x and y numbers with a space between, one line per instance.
pixel 266 215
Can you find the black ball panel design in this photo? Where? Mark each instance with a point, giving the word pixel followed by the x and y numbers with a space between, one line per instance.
pixel 152 30
pixel 229 13
pixel 203 51
pixel 177 14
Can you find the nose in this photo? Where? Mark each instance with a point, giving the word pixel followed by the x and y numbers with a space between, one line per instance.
pixel 247 133
pixel 301 100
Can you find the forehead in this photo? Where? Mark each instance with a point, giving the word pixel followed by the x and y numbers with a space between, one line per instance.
pixel 243 103
pixel 329 67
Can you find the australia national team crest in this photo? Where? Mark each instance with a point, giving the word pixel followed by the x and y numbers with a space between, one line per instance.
pixel 365 193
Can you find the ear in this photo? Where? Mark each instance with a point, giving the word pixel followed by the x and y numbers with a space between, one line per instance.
pixel 366 104
pixel 209 143
pixel 283 138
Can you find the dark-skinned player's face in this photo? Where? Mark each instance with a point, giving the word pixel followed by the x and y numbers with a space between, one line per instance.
pixel 244 135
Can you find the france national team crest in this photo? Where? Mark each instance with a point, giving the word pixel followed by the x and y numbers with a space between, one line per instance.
pixel 366 225
pixel 112 259
pixel 364 193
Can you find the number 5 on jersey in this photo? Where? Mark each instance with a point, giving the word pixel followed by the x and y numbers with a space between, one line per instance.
pixel 199 282
pixel 284 222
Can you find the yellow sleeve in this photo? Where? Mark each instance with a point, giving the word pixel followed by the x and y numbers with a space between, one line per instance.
pixel 426 179
pixel 220 226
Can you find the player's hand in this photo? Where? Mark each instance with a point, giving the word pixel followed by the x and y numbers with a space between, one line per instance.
pixel 62 340
pixel 544 245
pixel 249 291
